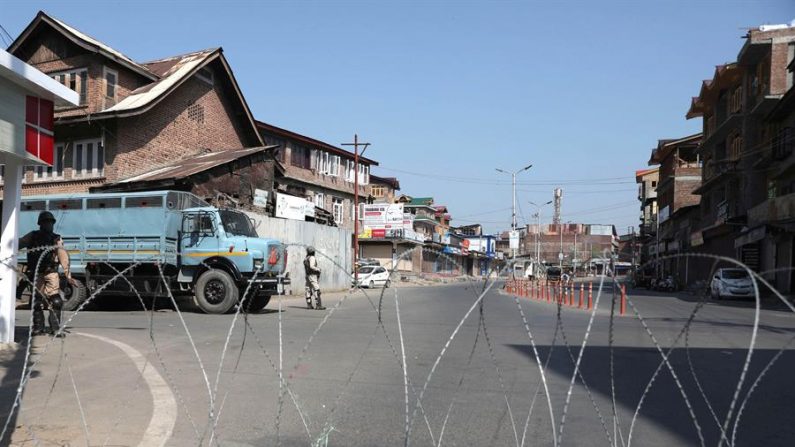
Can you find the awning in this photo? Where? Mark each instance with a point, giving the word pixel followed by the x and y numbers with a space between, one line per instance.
pixel 751 236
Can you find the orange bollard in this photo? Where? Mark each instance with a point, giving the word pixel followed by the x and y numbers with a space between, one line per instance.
pixel 590 295
pixel 623 308
pixel 571 295
pixel 582 294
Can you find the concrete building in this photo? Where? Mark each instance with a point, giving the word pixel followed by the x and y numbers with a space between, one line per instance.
pixel 733 106
pixel 318 171
pixel 771 221
pixel 647 195
pixel 383 189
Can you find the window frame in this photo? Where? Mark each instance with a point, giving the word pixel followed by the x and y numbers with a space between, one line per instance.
pixel 69 77
pixel 95 172
pixel 42 174
pixel 337 210
pixel 321 197
pixel 105 72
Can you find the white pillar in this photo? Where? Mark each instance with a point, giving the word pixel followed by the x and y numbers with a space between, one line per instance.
pixel 9 244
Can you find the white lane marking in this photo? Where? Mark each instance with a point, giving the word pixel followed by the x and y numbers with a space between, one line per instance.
pixel 164 406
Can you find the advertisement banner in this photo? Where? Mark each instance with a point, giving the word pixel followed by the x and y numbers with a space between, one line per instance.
pixel 383 215
pixel 292 207
pixel 514 240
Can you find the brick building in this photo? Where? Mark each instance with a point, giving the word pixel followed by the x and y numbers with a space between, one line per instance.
pixel 133 118
pixel 679 176
pixel 318 171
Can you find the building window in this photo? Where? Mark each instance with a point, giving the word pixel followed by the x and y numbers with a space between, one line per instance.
pixel 364 174
pixel 349 170
pixel 334 165
pixel 76 80
pixel 88 159
pixel 111 79
pixel 51 172
pixel 320 200
pixel 378 191
pixel 301 157
pixel 337 204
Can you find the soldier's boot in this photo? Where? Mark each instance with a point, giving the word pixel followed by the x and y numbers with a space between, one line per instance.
pixel 38 317
pixel 318 303
pixel 56 312
pixel 309 299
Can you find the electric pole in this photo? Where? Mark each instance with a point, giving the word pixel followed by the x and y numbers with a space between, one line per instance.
pixel 356 145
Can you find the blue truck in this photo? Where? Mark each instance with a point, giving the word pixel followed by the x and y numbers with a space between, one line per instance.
pixel 168 241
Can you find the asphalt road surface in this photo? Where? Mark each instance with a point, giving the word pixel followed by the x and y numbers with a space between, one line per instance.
pixel 347 387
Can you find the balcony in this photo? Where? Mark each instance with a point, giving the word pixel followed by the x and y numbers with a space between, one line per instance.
pixel 778 209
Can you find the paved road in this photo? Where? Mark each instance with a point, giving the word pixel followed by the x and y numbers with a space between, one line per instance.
pixel 349 384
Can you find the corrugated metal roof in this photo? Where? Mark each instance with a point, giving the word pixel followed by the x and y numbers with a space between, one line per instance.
pixel 81 39
pixel 196 164
pixel 289 134
pixel 172 71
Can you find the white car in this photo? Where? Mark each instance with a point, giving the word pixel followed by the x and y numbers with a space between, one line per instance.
pixel 373 275
pixel 731 283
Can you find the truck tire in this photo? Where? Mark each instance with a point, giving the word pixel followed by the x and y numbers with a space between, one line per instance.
pixel 256 303
pixel 73 296
pixel 216 292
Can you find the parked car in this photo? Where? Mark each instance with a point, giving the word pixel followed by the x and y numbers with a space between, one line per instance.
pixel 373 275
pixel 363 262
pixel 553 274
pixel 731 283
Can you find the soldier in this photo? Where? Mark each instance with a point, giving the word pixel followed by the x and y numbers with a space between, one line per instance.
pixel 312 279
pixel 43 261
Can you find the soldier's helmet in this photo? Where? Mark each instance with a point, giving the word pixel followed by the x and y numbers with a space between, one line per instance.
pixel 310 250
pixel 45 216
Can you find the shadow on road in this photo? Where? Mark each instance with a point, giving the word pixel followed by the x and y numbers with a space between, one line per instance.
pixel 767 419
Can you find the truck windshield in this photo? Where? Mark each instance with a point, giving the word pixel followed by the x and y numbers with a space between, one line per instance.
pixel 237 224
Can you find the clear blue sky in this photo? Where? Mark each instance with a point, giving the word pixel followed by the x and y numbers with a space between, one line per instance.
pixel 447 91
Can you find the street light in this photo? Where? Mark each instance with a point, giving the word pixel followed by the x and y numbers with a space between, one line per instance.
pixel 513 214
pixel 538 228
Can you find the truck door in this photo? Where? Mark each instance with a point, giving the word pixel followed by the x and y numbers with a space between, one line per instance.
pixel 199 238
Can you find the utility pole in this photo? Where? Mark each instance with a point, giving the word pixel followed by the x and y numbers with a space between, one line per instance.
pixel 538 230
pixel 560 254
pixel 574 261
pixel 513 213
pixel 356 145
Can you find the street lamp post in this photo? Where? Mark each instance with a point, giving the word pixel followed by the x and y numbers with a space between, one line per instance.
pixel 513 213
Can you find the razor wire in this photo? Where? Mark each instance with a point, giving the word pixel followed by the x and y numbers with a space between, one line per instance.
pixel 414 398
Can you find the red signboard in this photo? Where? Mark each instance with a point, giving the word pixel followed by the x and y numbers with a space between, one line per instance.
pixel 39 128
pixel 379 232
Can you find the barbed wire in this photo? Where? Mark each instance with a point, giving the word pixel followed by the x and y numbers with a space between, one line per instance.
pixel 414 398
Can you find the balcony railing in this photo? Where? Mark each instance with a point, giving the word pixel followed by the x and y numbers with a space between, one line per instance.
pixel 773 210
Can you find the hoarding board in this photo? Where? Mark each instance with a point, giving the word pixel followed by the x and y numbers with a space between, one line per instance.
pixel 291 207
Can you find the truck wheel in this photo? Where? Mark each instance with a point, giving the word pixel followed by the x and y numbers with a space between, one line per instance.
pixel 256 303
pixel 73 296
pixel 216 292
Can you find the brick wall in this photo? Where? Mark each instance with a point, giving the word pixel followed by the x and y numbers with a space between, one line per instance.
pixel 166 133
pixel 40 54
